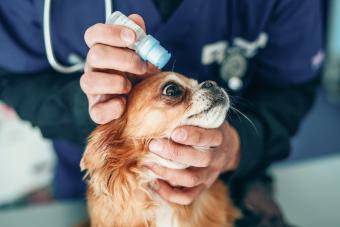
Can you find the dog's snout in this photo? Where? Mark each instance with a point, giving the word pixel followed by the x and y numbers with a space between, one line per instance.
pixel 208 84
pixel 213 92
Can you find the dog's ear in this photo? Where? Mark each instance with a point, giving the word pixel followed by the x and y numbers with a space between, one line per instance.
pixel 100 142
pixel 111 161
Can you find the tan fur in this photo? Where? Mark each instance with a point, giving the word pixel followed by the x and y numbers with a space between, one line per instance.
pixel 212 208
pixel 118 195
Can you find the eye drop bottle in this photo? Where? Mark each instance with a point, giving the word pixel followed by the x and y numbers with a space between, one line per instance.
pixel 146 46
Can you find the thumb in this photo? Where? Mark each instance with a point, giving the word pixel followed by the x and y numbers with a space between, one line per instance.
pixel 138 20
pixel 151 69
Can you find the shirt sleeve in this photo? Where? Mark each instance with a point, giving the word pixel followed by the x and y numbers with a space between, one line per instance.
pixel 21 40
pixel 273 115
pixel 50 101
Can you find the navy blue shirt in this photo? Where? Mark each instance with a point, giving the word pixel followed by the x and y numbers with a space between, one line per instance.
pixel 290 55
pixel 277 45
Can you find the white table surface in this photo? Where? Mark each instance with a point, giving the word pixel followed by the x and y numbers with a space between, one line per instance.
pixel 60 214
pixel 308 191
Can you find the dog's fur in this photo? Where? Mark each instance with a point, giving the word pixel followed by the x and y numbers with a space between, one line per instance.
pixel 118 183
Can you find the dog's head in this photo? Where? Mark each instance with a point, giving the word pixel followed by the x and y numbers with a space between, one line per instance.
pixel 155 107
pixel 162 102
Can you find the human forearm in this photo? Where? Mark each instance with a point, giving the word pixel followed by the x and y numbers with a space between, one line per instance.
pixel 50 101
pixel 275 114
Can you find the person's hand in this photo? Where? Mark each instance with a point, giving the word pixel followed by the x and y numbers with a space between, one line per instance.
pixel 108 65
pixel 184 185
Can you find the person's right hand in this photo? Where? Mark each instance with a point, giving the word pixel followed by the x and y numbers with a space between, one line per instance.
pixel 108 64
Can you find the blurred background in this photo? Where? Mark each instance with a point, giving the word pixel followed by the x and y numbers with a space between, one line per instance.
pixel 308 183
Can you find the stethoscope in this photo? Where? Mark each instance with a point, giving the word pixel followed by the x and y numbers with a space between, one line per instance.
pixel 234 66
pixel 76 61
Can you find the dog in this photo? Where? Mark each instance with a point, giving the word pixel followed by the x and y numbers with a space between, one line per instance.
pixel 119 192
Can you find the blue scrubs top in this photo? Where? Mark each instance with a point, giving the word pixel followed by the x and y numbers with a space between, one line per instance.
pixel 280 40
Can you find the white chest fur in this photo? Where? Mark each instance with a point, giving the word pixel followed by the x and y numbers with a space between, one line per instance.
pixel 165 218
pixel 164 214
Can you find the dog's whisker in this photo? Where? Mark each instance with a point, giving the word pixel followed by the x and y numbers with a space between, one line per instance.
pixel 117 156
pixel 173 66
pixel 239 113
pixel 187 108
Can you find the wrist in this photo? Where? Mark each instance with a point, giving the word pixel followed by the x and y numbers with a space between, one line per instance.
pixel 232 147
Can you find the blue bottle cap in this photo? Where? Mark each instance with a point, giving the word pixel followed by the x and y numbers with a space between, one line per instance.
pixel 149 49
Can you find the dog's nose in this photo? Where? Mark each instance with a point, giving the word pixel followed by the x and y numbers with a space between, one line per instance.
pixel 208 84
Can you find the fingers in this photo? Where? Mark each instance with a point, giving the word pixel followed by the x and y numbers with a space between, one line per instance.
pixel 111 35
pixel 195 136
pixel 182 196
pixel 151 70
pixel 102 90
pixel 108 50
pixel 107 61
pixel 138 20
pixel 103 112
pixel 190 177
pixel 97 83
pixel 180 153
pixel 107 57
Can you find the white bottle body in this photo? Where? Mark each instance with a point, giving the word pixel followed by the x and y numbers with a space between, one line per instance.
pixel 118 18
pixel 146 46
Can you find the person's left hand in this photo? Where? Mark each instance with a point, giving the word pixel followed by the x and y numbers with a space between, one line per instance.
pixel 205 166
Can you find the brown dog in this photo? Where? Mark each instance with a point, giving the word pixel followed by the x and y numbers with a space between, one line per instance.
pixel 118 183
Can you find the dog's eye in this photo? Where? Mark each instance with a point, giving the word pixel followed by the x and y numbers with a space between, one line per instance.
pixel 172 90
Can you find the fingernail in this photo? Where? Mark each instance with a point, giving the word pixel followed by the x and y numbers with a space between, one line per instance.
pixel 127 36
pixel 124 101
pixel 97 118
pixel 128 86
pixel 155 146
pixel 179 135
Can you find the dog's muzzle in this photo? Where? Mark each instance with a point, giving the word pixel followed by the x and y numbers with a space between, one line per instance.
pixel 215 94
